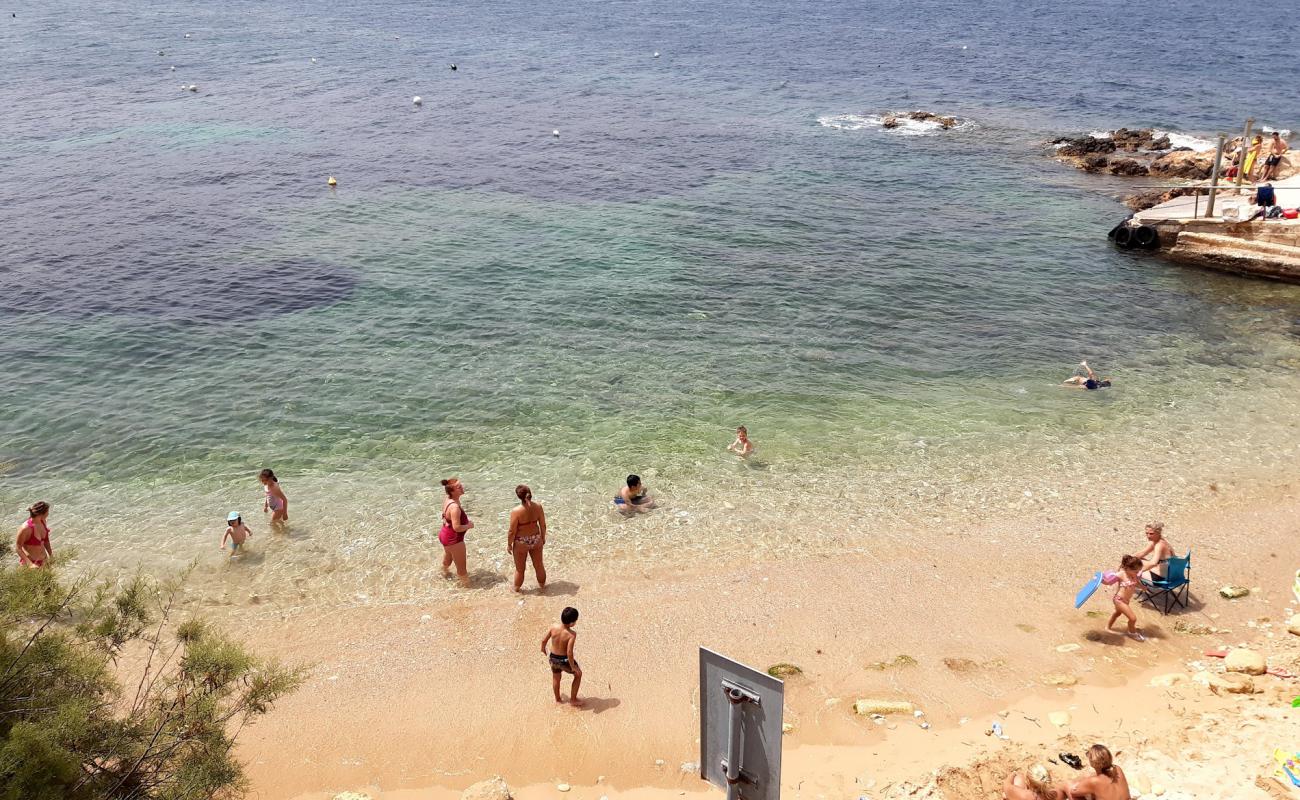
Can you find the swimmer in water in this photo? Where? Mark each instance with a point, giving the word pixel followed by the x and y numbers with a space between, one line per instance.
pixel 633 498
pixel 1089 381
pixel 742 447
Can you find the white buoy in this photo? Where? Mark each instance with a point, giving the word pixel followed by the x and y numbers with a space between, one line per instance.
pixel 187 36
pixel 173 69
pixel 963 47
pixel 417 101
pixel 193 88
pixel 656 54
pixel 313 61
pixel 555 132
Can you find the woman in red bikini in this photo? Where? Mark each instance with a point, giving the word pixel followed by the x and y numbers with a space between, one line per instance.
pixel 527 536
pixel 33 543
pixel 455 523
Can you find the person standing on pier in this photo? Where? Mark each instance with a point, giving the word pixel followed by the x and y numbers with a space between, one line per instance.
pixel 1277 148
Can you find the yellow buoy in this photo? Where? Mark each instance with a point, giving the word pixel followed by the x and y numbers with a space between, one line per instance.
pixel 332 182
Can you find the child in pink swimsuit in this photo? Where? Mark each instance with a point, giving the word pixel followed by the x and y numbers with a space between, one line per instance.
pixel 276 502
pixel 1128 583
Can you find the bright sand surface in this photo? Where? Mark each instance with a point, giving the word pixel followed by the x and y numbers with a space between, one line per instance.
pixel 423 700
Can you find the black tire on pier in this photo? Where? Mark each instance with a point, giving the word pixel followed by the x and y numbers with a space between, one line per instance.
pixel 1124 238
pixel 1146 237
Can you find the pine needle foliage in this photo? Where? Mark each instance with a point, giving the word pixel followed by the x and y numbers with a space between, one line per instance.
pixel 104 696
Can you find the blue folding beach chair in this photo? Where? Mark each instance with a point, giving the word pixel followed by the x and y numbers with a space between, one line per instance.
pixel 1170 591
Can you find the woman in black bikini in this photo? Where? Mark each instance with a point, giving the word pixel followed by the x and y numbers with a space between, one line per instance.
pixel 527 536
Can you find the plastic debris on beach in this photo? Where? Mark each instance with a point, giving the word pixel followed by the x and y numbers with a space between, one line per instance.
pixel 1233 592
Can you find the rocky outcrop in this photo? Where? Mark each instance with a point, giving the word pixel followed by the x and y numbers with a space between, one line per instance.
pixel 926 116
pixel 1245 661
pixel 490 789
pixel 1141 201
pixel 1128 167
pixel 1183 164
pixel 1080 146
pixel 1140 139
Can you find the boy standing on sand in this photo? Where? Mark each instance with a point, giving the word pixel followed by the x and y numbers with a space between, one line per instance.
pixel 562 638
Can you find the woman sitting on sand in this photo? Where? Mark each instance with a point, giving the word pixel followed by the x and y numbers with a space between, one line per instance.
pixel 1029 784
pixel 1108 782
pixel 455 523
pixel 527 536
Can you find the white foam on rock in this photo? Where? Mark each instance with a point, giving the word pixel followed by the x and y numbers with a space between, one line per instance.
pixel 906 125
pixel 1177 140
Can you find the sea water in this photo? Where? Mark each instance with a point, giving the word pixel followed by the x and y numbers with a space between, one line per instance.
pixel 722 235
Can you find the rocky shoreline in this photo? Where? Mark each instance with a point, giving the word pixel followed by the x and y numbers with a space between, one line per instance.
pixel 1137 153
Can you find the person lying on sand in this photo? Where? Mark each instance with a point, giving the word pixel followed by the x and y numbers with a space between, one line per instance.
pixel 633 498
pixel 1089 381
pixel 563 639
pixel 1157 553
pixel 1029 784
pixel 1107 782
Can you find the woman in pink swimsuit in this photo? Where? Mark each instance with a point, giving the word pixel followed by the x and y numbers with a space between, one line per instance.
pixel 527 536
pixel 455 523
pixel 33 543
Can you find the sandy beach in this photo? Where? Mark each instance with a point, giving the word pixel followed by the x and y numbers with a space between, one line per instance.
pixel 968 624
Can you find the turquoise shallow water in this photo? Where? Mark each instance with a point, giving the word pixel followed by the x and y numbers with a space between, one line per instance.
pixel 185 302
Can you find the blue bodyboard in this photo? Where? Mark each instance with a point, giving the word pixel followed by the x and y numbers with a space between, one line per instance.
pixel 1087 591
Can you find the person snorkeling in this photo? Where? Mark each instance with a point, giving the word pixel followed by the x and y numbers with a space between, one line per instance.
pixel 1088 381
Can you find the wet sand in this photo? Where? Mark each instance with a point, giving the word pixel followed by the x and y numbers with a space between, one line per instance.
pixel 410 697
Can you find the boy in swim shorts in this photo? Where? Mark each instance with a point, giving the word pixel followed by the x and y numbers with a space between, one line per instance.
pixel 237 532
pixel 562 639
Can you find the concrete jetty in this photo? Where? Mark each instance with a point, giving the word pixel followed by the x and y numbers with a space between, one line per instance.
pixel 1228 241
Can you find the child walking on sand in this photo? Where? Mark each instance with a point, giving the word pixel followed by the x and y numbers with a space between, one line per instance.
pixel 742 446
pixel 562 638
pixel 1130 568
pixel 276 502
pixel 237 532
